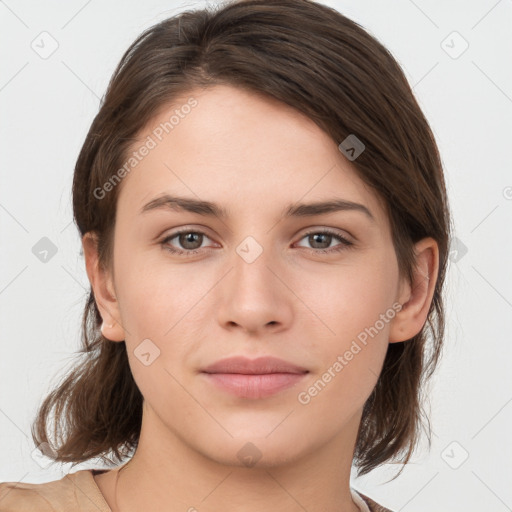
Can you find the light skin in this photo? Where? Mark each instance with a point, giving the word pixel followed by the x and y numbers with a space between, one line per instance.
pixel 254 157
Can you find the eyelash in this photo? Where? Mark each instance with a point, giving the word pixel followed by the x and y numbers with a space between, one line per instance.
pixel 345 244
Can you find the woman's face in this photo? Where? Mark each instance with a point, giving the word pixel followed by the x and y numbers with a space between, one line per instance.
pixel 260 280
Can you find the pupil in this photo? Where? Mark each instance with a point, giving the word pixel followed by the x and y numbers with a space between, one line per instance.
pixel 189 238
pixel 320 235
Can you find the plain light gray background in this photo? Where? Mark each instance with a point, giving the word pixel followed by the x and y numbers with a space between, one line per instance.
pixel 46 107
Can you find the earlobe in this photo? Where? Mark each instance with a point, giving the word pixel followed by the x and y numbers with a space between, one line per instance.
pixel 102 287
pixel 416 297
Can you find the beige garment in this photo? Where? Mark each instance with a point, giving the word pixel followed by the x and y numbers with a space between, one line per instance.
pixel 78 492
pixel 75 492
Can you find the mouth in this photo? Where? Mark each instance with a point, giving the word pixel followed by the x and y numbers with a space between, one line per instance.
pixel 257 378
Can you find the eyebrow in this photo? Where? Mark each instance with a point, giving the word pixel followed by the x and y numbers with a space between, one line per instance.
pixel 210 209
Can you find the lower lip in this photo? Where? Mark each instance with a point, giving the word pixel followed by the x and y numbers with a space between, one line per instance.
pixel 254 386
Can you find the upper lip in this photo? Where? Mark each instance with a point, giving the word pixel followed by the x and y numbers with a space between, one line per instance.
pixel 258 366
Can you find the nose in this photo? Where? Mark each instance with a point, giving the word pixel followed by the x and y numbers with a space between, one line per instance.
pixel 254 296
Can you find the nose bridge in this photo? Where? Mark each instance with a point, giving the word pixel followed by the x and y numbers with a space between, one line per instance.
pixel 251 261
pixel 252 296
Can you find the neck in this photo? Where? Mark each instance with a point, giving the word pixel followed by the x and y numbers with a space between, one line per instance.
pixel 171 476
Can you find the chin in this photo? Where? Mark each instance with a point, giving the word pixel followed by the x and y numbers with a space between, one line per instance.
pixel 252 451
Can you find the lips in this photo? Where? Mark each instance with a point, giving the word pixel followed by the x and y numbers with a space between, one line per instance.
pixel 259 366
pixel 253 378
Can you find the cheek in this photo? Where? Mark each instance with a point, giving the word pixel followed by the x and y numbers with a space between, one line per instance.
pixel 347 299
pixel 158 302
pixel 351 328
pixel 357 309
pixel 153 292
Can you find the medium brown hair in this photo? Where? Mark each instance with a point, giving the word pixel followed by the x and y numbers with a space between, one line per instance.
pixel 326 66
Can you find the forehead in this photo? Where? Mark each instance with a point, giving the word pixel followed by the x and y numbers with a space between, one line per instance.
pixel 241 149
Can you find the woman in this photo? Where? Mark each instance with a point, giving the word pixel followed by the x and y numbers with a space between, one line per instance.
pixel 265 225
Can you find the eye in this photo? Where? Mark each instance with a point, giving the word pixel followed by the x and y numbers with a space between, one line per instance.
pixel 324 238
pixel 190 240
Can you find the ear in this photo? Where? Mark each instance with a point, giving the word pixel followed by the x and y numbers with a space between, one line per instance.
pixel 416 297
pixel 103 289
